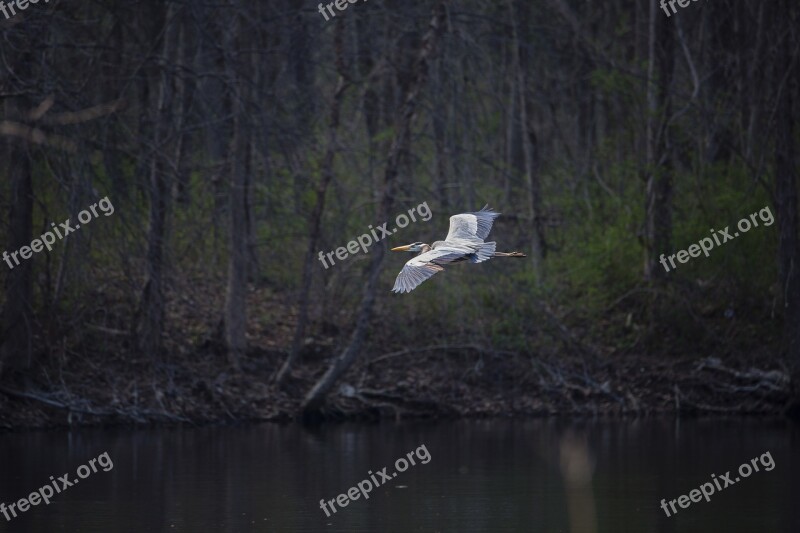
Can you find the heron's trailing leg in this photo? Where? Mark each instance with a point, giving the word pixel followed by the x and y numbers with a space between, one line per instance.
pixel 509 254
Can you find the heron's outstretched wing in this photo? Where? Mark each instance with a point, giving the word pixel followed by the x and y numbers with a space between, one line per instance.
pixel 472 226
pixel 423 267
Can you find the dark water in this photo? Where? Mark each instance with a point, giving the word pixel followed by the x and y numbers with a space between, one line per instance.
pixel 488 476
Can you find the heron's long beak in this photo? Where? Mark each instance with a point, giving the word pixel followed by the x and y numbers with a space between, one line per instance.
pixel 402 248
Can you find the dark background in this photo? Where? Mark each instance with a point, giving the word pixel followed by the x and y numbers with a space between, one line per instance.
pixel 238 139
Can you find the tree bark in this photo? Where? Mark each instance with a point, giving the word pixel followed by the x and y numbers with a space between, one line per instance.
pixel 786 199
pixel 529 140
pixel 235 320
pixel 236 293
pixel 185 87
pixel 658 203
pixel 151 315
pixel 16 350
pixel 440 137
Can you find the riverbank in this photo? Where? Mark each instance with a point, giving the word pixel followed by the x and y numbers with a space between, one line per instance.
pixel 464 382
pixel 85 374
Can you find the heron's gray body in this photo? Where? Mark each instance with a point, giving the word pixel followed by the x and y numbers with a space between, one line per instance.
pixel 464 242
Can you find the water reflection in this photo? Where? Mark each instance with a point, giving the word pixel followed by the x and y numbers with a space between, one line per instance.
pixel 576 470
pixel 486 475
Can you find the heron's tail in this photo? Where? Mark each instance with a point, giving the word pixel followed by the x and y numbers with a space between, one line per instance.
pixel 484 253
pixel 509 254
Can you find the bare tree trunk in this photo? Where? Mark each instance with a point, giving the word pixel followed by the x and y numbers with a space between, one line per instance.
pixel 786 198
pixel 113 59
pixel 235 320
pixel 755 76
pixel 253 265
pixel 151 319
pixel 185 87
pixel 439 119
pixel 658 208
pixel 319 207
pixel 16 348
pixel 214 103
pixel 529 141
pixel 236 293
pixel 513 165
pixel 399 148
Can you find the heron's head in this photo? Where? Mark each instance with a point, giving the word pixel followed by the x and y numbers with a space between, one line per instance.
pixel 413 247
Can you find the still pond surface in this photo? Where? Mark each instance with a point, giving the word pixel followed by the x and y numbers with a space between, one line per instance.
pixel 483 476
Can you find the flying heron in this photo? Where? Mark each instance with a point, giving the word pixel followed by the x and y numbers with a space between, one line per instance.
pixel 464 242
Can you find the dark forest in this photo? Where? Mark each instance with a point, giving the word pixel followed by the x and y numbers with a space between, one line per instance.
pixel 235 142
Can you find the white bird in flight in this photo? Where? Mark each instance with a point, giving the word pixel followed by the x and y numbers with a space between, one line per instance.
pixel 464 242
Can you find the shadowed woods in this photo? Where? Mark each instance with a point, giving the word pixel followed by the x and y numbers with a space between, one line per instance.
pixel 237 141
